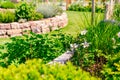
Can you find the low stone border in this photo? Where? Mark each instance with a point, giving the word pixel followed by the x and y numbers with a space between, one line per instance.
pixel 41 26
pixel 63 58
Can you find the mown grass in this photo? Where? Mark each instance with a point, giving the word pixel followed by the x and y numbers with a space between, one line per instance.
pixel 78 21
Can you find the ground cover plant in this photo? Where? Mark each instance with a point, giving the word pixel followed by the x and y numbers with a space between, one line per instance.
pixel 46 47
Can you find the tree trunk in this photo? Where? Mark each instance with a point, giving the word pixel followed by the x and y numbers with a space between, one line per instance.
pixel 93 13
pixel 68 2
pixel 109 10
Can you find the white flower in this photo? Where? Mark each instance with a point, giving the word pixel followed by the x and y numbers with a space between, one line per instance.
pixel 85 44
pixel 83 32
pixel 113 39
pixel 71 45
pixel 118 34
pixel 74 45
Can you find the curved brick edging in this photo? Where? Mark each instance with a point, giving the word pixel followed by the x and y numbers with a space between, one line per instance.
pixel 41 26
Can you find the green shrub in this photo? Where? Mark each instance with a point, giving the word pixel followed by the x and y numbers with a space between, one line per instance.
pixel 111 70
pixel 95 44
pixel 77 6
pixel 36 70
pixel 49 10
pixel 116 12
pixel 36 16
pixel 7 16
pixel 7 4
pixel 27 11
pixel 46 47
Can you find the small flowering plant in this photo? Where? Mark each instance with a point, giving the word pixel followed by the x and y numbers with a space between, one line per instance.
pixel 83 32
pixel 96 44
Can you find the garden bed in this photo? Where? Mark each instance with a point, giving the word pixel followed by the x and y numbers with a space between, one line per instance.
pixel 40 26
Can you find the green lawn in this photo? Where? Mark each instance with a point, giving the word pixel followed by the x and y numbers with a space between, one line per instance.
pixel 78 21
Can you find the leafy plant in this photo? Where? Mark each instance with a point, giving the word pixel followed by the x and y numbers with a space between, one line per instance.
pixel 27 11
pixel 46 47
pixel 7 16
pixel 49 10
pixel 35 69
pixel 7 4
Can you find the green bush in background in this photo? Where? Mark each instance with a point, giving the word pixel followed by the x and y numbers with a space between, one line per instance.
pixel 7 17
pixel 46 47
pixel 36 70
pixel 7 5
pixel 78 6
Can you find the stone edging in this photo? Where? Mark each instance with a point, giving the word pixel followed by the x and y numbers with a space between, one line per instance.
pixel 62 59
pixel 41 26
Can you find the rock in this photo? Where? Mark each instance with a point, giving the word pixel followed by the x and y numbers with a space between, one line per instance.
pixel 5 26
pixel 24 25
pixel 14 31
pixel 15 25
pixel 2 32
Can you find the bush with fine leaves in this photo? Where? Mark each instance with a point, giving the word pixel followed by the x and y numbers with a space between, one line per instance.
pixel 36 70
pixel 49 10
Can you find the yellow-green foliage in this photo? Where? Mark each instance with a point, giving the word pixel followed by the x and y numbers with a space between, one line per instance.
pixel 111 70
pixel 36 70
